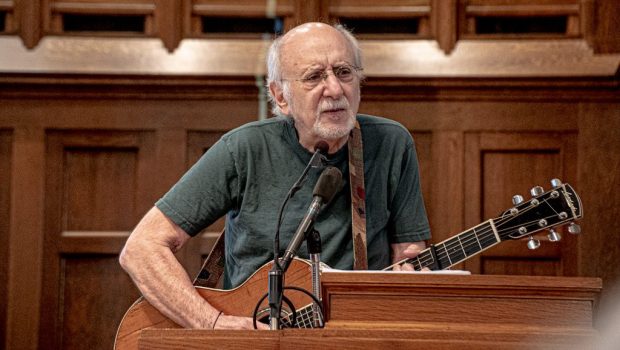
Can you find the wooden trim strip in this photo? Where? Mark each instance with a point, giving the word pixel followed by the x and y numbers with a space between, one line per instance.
pixel 103 8
pixel 522 10
pixel 238 10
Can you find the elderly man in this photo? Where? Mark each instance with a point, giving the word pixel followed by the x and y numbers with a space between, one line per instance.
pixel 314 83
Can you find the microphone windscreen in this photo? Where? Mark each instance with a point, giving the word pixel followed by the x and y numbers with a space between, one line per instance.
pixel 322 147
pixel 328 184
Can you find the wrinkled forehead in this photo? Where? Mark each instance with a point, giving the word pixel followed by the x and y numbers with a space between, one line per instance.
pixel 314 44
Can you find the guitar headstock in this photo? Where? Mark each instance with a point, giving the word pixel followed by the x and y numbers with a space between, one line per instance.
pixel 545 210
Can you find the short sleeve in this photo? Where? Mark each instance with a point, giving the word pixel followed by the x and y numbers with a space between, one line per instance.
pixel 205 193
pixel 408 220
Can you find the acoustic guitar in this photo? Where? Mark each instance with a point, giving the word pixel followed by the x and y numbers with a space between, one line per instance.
pixel 545 210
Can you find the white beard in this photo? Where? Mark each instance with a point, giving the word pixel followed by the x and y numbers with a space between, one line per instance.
pixel 333 132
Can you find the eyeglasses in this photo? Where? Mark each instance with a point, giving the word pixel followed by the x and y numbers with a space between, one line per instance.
pixel 345 73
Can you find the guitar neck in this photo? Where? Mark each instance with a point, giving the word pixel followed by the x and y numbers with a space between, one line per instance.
pixel 457 248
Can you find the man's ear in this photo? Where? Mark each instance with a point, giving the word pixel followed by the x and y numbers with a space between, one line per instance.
pixel 278 96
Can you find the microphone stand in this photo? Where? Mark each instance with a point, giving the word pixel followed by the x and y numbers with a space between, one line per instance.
pixel 276 274
pixel 313 241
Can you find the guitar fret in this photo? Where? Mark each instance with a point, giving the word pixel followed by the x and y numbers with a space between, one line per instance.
pixel 464 245
pixel 461 243
pixel 456 253
pixel 427 257
pixel 476 236
pixel 447 254
pixel 419 266
pixel 474 246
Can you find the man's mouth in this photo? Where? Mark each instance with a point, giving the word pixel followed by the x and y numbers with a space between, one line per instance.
pixel 334 110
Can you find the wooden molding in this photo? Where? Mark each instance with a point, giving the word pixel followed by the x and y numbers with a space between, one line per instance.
pixel 383 58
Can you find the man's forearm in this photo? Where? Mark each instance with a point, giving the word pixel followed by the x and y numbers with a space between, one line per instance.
pixel 149 259
pixel 165 284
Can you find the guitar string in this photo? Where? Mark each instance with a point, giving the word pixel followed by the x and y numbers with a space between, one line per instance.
pixel 455 241
pixel 449 248
pixel 451 245
pixel 482 236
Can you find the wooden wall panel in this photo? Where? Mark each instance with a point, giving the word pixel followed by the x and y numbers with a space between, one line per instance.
pixel 95 293
pixel 501 165
pixel 95 185
pixel 599 178
pixel 98 189
pixel 5 205
pixel 25 237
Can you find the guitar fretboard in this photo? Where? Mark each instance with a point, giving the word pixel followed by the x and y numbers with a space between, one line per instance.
pixel 458 248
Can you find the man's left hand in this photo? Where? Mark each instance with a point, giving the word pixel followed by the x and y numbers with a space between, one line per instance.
pixel 402 251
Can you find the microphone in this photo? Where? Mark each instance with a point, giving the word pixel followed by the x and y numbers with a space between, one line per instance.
pixel 326 187
pixel 317 161
pixel 320 151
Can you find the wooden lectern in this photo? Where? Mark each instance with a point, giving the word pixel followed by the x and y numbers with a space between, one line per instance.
pixel 385 310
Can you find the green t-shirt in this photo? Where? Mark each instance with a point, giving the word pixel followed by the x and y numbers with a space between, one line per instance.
pixel 248 172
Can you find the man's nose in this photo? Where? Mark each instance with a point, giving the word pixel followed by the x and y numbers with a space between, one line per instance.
pixel 333 86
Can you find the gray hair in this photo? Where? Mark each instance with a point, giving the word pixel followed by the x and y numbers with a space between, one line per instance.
pixel 274 68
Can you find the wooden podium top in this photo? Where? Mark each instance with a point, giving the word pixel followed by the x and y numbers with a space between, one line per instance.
pixel 377 310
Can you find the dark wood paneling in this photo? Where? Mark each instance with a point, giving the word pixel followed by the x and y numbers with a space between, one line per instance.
pixel 25 237
pixel 30 22
pixel 95 294
pixel 6 140
pixel 520 266
pixel 96 184
pixel 98 188
pixel 444 23
pixel 607 14
pixel 599 178
pixel 504 164
pixel 446 201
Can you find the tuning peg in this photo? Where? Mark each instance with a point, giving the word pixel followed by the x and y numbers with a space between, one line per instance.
pixel 574 228
pixel 533 243
pixel 555 183
pixel 517 199
pixel 553 236
pixel 537 191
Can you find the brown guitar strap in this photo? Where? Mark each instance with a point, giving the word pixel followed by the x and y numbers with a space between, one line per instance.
pixel 358 198
pixel 213 266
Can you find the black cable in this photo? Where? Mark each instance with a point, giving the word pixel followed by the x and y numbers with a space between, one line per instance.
pixel 291 192
pixel 285 299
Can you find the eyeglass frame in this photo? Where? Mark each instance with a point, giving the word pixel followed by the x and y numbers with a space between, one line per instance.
pixel 324 75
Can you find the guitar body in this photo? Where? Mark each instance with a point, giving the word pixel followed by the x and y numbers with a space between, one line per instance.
pixel 240 301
